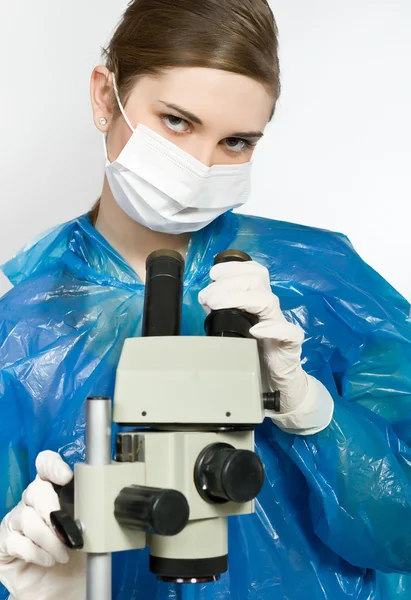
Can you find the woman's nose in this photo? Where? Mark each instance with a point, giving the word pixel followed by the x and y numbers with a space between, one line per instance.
pixel 204 152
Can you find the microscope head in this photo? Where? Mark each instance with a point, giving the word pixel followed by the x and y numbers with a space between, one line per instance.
pixel 186 461
pixel 198 400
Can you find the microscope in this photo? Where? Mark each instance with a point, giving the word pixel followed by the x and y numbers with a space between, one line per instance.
pixel 185 458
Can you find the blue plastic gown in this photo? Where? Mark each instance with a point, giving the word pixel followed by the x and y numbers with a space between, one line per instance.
pixel 333 520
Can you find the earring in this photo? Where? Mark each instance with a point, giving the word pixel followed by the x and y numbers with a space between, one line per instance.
pixel 103 121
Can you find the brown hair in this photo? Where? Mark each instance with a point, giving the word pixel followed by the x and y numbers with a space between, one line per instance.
pixel 239 36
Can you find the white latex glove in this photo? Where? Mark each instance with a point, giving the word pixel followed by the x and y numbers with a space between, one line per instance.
pixel 34 563
pixel 306 405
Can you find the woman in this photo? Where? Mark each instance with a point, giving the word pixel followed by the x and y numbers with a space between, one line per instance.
pixel 186 93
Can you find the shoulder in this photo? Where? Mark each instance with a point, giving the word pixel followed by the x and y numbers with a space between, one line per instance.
pixel 296 236
pixel 53 312
pixel 321 270
pixel 316 257
pixel 41 252
pixel 68 285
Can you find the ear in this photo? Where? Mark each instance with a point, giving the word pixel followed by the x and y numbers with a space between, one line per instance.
pixel 101 90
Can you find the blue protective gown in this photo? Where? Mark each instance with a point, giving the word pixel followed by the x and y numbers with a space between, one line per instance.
pixel 333 520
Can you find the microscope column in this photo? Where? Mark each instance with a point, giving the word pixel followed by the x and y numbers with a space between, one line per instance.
pixel 98 453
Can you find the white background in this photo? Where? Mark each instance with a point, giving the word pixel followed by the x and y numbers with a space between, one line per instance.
pixel 337 155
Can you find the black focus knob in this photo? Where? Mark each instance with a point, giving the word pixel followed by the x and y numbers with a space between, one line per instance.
pixel 67 529
pixel 162 512
pixel 223 473
pixel 63 522
pixel 230 322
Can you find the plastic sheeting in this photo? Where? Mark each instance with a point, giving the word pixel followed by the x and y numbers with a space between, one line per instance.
pixel 333 520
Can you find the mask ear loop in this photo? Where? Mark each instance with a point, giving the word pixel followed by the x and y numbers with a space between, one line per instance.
pixel 105 148
pixel 123 112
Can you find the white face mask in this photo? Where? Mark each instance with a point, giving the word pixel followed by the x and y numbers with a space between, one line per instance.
pixel 166 189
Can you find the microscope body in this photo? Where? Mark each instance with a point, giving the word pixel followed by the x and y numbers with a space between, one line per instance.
pixel 187 408
pixel 189 402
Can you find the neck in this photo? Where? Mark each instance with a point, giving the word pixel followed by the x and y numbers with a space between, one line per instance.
pixel 133 241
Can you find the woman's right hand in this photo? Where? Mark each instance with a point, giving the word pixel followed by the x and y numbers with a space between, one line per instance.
pixel 34 563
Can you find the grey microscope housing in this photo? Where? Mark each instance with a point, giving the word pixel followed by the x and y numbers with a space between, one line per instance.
pixel 185 460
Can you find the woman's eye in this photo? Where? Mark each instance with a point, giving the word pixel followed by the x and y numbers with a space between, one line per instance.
pixel 237 144
pixel 176 124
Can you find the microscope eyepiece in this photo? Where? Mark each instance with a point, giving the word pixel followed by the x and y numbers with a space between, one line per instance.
pixel 232 256
pixel 163 297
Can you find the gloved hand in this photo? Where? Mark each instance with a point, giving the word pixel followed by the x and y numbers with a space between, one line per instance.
pixel 34 563
pixel 306 405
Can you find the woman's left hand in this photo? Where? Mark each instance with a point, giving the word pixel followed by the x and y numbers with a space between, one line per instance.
pixel 306 405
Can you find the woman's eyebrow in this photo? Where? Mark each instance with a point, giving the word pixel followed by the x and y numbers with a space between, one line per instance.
pixel 248 134
pixel 192 117
pixel 186 113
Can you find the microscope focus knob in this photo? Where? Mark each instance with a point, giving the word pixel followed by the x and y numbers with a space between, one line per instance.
pixel 162 512
pixel 67 529
pixel 223 473
pixel 230 322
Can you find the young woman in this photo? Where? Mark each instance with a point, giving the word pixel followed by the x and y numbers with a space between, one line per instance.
pixel 186 93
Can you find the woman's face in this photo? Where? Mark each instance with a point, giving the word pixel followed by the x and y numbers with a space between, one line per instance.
pixel 216 116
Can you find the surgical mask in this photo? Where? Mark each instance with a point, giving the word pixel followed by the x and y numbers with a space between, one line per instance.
pixel 164 188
